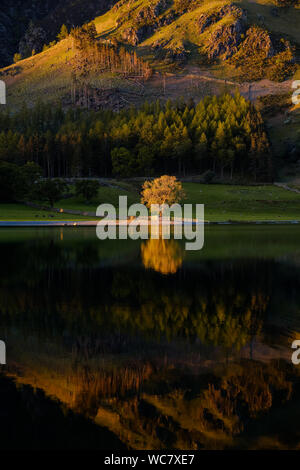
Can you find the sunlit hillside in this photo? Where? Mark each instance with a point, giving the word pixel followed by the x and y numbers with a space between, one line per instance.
pixel 163 49
pixel 178 20
pixel 198 37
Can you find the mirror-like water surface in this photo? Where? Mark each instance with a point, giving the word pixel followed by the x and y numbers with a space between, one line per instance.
pixel 143 345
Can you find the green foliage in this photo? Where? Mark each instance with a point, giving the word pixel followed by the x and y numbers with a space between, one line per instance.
pixel 11 182
pixel 17 57
pixel 123 162
pixel 49 190
pixel 163 190
pixel 32 41
pixel 208 176
pixel 221 134
pixel 48 46
pixel 84 36
pixel 31 173
pixel 87 189
pixel 63 34
pixel 271 105
pixel 183 6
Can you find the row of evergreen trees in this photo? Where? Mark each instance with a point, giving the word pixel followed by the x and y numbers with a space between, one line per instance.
pixel 223 134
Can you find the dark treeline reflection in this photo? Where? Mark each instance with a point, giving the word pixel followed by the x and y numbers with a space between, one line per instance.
pixel 164 348
pixel 73 292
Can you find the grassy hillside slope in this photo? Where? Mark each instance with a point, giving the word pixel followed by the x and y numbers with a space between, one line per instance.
pixel 222 203
pixel 171 41
pixel 195 48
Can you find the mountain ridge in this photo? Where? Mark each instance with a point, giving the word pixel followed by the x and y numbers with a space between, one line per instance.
pixel 214 40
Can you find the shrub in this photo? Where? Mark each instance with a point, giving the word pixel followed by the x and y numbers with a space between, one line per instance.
pixel 208 176
pixel 17 57
pixel 87 188
pixel 49 190
pixel 11 182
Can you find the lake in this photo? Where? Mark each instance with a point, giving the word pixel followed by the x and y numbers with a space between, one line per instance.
pixel 143 345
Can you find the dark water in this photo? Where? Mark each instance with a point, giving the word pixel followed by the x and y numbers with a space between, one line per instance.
pixel 144 345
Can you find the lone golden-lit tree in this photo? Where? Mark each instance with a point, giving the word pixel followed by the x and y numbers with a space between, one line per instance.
pixel 163 190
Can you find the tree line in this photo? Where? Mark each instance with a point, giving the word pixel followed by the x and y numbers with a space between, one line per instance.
pixel 224 135
pixel 104 55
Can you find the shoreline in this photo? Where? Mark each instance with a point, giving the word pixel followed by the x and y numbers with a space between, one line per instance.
pixel 93 223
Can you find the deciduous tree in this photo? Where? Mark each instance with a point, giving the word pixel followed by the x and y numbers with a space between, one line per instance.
pixel 163 190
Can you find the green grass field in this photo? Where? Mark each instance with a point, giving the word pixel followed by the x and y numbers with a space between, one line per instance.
pixel 105 195
pixel 20 212
pixel 244 203
pixel 222 203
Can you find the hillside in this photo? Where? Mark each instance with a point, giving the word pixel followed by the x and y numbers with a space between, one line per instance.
pixel 49 15
pixel 245 40
pixel 240 34
pixel 165 49
pixel 239 42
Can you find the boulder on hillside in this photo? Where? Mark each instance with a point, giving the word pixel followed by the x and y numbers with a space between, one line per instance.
pixel 135 36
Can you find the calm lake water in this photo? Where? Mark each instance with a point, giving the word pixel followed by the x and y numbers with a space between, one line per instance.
pixel 143 345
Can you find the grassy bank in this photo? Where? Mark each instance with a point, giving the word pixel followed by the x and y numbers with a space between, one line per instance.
pixel 20 212
pixel 244 203
pixel 222 203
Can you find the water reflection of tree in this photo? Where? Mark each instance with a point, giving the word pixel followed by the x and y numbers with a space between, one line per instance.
pixel 163 256
pixel 56 289
pixel 212 321
pixel 214 307
pixel 222 303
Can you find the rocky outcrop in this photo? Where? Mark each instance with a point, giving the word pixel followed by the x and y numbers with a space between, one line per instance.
pixel 151 12
pixel 233 36
pixel 135 36
pixel 208 19
pixel 259 40
pixel 224 41
pixel 178 54
pixel 264 55
pixel 146 22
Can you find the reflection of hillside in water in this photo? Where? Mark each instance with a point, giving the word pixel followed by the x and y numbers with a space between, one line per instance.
pixel 31 419
pixel 162 404
pixel 188 359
